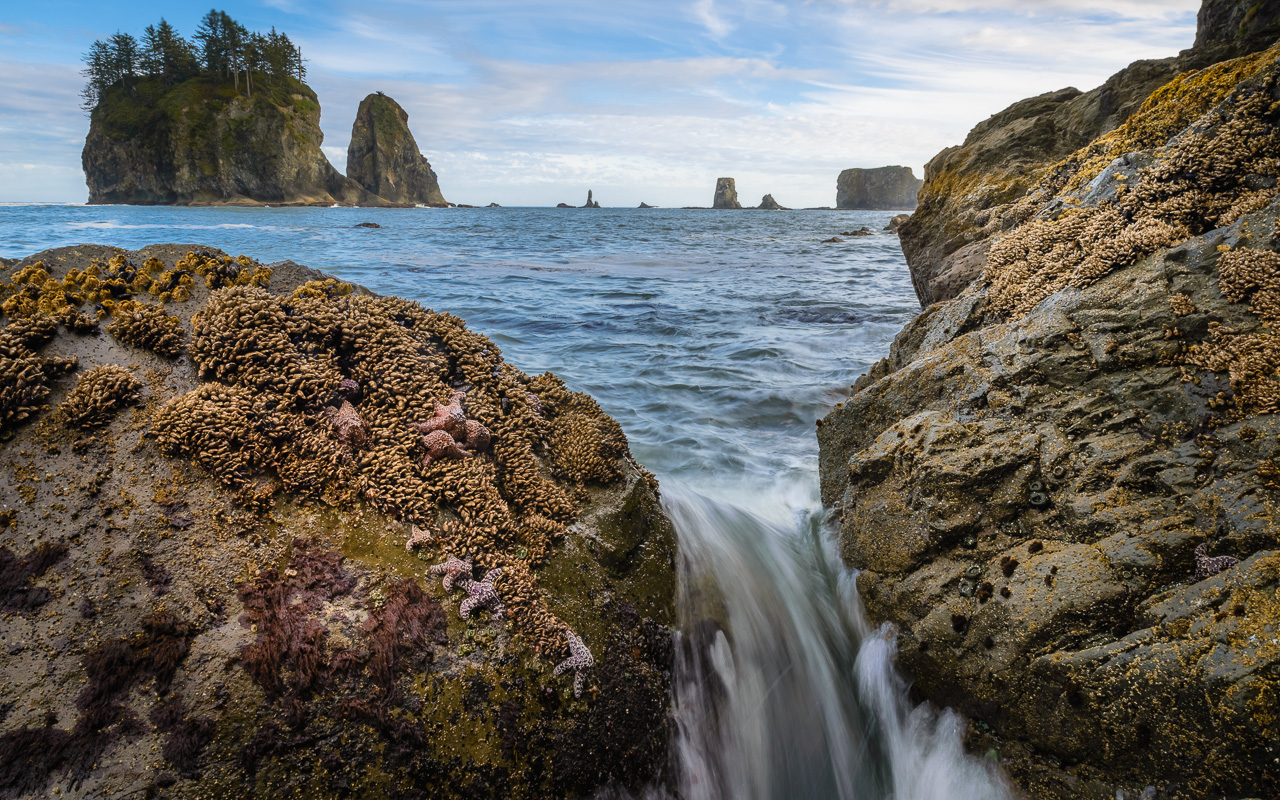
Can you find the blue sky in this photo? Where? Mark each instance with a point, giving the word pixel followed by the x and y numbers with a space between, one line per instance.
pixel 533 103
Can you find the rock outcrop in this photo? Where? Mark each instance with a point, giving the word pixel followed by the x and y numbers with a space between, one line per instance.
pixel 896 222
pixel 967 187
pixel 1042 482
pixel 769 204
pixel 383 156
pixel 203 142
pixel 591 202
pixel 726 194
pixel 223 544
pixel 878 188
pixel 645 205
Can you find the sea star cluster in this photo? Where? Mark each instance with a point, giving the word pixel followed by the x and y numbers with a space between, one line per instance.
pixel 452 569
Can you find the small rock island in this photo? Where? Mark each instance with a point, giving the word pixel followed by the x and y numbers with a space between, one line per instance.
pixel 726 194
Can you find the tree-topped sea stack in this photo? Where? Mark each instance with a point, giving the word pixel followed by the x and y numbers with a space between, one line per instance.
pixel 225 119
pixel 232 488
pixel 383 156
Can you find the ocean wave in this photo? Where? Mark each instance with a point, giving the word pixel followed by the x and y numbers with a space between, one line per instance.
pixel 115 224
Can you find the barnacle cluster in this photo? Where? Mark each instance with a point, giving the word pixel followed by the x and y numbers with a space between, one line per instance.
pixel 83 296
pixel 276 363
pixel 219 271
pixel 1223 166
pixel 146 326
pixel 98 394
pixel 1250 359
pixel 24 374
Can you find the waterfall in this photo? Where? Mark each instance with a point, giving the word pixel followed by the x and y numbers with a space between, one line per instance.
pixel 783 689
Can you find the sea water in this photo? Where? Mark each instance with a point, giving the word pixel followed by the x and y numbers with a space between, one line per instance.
pixel 716 339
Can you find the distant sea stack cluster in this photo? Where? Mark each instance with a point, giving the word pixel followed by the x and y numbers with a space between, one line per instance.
pixel 227 119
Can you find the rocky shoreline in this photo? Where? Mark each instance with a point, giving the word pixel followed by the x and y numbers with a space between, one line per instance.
pixel 227 509
pixel 1061 484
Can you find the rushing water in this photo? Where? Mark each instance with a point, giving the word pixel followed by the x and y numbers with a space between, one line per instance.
pixel 716 339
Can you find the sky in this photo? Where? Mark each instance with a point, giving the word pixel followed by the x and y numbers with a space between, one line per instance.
pixel 525 102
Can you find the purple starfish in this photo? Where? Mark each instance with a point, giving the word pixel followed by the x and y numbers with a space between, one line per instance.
pixel 453 570
pixel 579 661
pixel 439 445
pixel 451 419
pixel 478 436
pixel 347 424
pixel 482 595
pixel 1207 566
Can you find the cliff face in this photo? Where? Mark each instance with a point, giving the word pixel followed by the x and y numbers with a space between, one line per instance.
pixel 234 565
pixel 203 142
pixel 1062 485
pixel 878 188
pixel 969 188
pixel 726 194
pixel 384 158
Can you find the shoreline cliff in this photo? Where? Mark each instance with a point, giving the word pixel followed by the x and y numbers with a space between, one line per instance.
pixel 1061 485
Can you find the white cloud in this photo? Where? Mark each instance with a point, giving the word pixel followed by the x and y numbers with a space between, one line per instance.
pixel 704 11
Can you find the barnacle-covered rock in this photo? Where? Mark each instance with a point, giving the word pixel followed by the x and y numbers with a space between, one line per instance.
pixel 98 395
pixel 1078 421
pixel 239 576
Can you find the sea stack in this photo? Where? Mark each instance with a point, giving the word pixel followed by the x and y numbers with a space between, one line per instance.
pixel 383 156
pixel 767 203
pixel 199 142
pixel 726 194
pixel 878 188
pixel 590 202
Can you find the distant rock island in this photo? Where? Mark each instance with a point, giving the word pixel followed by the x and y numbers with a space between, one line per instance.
pixel 227 119
pixel 767 203
pixel 591 203
pixel 726 194
pixel 383 156
pixel 879 188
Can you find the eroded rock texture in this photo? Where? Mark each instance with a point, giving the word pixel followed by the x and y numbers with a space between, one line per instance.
pixel 1025 480
pixel 205 589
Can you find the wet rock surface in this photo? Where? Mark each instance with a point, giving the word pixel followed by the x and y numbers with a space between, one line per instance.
pixel 205 586
pixel 1025 480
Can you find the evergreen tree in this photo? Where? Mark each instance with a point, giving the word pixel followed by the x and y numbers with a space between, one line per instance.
pixel 214 44
pixel 97 68
pixel 221 47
